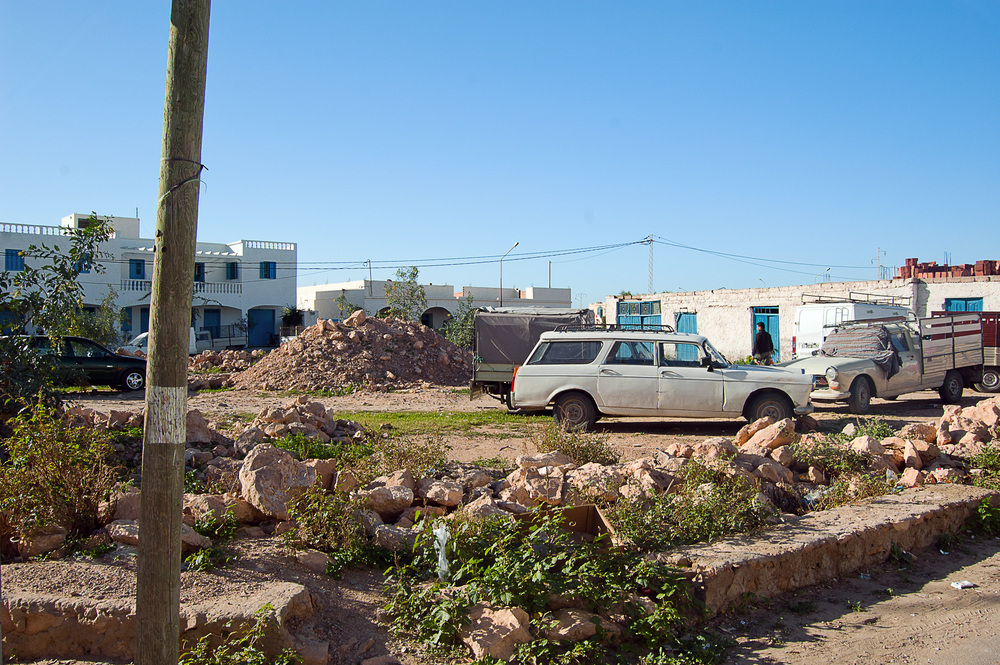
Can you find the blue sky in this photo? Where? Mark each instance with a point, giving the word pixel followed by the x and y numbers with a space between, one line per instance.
pixel 756 142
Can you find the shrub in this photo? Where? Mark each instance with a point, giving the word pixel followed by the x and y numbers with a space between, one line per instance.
pixel 988 462
pixel 55 475
pixel 710 504
pixel 581 447
pixel 523 566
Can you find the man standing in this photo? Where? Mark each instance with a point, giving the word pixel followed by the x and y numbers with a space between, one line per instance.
pixel 763 346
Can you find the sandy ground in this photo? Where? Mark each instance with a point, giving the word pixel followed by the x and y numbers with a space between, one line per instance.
pixel 892 614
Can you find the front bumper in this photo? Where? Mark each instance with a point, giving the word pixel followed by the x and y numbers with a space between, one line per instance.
pixel 804 410
pixel 828 395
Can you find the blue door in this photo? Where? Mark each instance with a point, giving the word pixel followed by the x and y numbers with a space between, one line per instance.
pixel 211 320
pixel 260 327
pixel 144 320
pixel 769 317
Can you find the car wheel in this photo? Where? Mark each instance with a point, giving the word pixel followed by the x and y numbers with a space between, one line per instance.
pixel 575 411
pixel 133 379
pixel 861 395
pixel 990 382
pixel 951 390
pixel 778 407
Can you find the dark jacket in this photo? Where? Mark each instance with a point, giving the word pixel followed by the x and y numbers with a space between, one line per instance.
pixel 762 343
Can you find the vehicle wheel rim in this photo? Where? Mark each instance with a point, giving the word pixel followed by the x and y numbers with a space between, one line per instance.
pixel 572 413
pixel 133 380
pixel 772 410
pixel 991 379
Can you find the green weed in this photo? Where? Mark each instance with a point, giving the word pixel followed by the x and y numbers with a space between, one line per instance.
pixel 241 645
pixel 709 505
pixel 581 447
pixel 56 475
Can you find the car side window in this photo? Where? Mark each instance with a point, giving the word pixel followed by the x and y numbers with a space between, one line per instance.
pixel 679 354
pixel 631 353
pixel 570 352
pixel 80 349
pixel 899 342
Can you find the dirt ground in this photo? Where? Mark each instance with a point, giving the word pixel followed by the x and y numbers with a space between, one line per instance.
pixel 893 614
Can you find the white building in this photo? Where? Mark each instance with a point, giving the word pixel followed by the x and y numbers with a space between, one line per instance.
pixel 244 282
pixel 442 299
pixel 728 316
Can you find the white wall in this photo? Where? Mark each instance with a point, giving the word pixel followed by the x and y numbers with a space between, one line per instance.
pixel 725 316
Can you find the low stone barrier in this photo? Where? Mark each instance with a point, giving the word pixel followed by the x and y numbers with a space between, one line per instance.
pixel 824 545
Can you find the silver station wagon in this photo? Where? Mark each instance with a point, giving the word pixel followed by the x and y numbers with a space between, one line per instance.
pixel 586 374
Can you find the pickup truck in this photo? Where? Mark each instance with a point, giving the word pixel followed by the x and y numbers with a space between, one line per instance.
pixel 989 382
pixel 889 357
pixel 502 339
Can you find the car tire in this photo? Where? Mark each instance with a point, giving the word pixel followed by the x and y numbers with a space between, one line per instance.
pixel 990 382
pixel 951 390
pixel 861 395
pixel 133 379
pixel 575 412
pixel 777 406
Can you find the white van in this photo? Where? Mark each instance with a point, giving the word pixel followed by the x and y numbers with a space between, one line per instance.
pixel 814 321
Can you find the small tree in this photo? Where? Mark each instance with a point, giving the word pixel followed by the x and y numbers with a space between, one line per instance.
pixel 404 297
pixel 46 295
pixel 104 325
pixel 459 328
pixel 345 306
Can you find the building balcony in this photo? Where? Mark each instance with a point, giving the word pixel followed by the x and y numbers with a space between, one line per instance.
pixel 210 288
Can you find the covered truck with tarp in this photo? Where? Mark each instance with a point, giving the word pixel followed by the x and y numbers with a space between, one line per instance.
pixel 503 337
pixel 890 357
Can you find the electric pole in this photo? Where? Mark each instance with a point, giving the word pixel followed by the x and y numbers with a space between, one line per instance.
pixel 649 239
pixel 157 631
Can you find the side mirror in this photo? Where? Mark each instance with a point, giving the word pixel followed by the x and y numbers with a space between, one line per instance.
pixel 706 362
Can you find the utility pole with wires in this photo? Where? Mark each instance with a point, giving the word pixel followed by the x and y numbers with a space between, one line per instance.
pixel 157 616
pixel 649 239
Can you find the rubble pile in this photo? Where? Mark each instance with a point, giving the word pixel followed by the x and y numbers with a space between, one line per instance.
pixel 258 481
pixel 230 360
pixel 361 352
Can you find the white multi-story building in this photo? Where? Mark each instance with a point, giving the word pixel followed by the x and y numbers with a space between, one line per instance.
pixel 247 282
pixel 442 299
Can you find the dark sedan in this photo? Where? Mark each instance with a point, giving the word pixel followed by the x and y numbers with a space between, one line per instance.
pixel 97 364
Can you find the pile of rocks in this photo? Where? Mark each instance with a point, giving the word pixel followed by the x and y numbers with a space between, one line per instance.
pixel 303 417
pixel 361 352
pixel 230 360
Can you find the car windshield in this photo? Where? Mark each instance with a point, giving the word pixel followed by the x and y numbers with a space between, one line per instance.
pixel 718 360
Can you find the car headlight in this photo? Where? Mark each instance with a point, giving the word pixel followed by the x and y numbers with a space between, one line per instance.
pixel 831 374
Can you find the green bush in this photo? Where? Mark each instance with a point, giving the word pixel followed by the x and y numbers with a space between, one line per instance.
pixel 988 462
pixel 523 564
pixel 581 447
pixel 709 504
pixel 55 475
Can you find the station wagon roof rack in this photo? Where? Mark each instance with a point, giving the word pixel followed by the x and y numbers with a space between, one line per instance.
pixel 614 327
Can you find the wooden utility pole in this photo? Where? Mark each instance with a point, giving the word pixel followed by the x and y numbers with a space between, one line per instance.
pixel 157 631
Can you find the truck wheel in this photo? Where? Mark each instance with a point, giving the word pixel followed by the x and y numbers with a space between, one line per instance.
pixel 990 382
pixel 951 390
pixel 778 407
pixel 575 411
pixel 133 379
pixel 861 395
